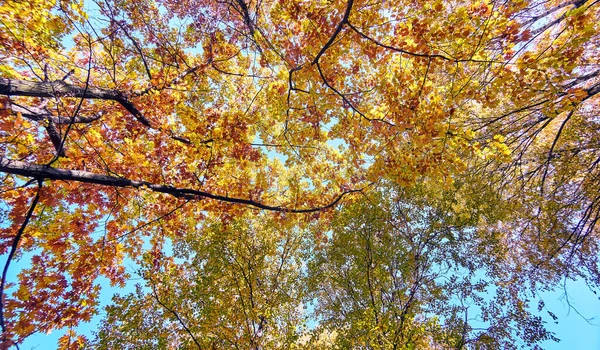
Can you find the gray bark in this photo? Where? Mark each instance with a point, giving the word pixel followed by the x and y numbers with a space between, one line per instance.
pixel 13 87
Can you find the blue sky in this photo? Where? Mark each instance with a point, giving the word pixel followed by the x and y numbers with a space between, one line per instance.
pixel 574 330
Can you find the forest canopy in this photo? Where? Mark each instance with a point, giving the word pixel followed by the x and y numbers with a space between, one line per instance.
pixel 392 174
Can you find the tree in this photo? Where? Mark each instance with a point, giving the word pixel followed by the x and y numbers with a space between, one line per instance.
pixel 236 285
pixel 127 124
pixel 410 269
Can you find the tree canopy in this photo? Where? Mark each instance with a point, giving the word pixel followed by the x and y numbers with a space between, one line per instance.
pixel 400 174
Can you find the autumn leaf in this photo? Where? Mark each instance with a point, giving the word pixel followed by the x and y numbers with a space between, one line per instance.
pixel 293 153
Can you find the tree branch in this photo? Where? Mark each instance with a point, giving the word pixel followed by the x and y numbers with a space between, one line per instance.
pixel 592 91
pixel 46 172
pixel 576 3
pixel 187 330
pixel 415 54
pixel 55 138
pixel 13 87
pixel 336 32
pixel 246 15
pixel 13 250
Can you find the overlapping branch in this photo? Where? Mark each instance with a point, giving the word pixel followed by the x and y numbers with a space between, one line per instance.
pixel 57 88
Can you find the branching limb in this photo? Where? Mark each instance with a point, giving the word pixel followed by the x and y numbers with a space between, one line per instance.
pixel 337 31
pixel 13 87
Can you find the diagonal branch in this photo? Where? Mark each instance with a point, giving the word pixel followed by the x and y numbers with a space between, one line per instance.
pixel 46 172
pixel 576 3
pixel 137 47
pixel 347 101
pixel 13 87
pixel 57 141
pixel 592 91
pixel 336 32
pixel 550 11
pixel 13 250
pixel 582 79
pixel 187 330
pixel 246 15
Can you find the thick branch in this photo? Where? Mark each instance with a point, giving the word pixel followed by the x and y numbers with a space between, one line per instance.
pixel 55 138
pixel 45 172
pixel 12 87
pixel 592 91
pixel 582 79
pixel 246 14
